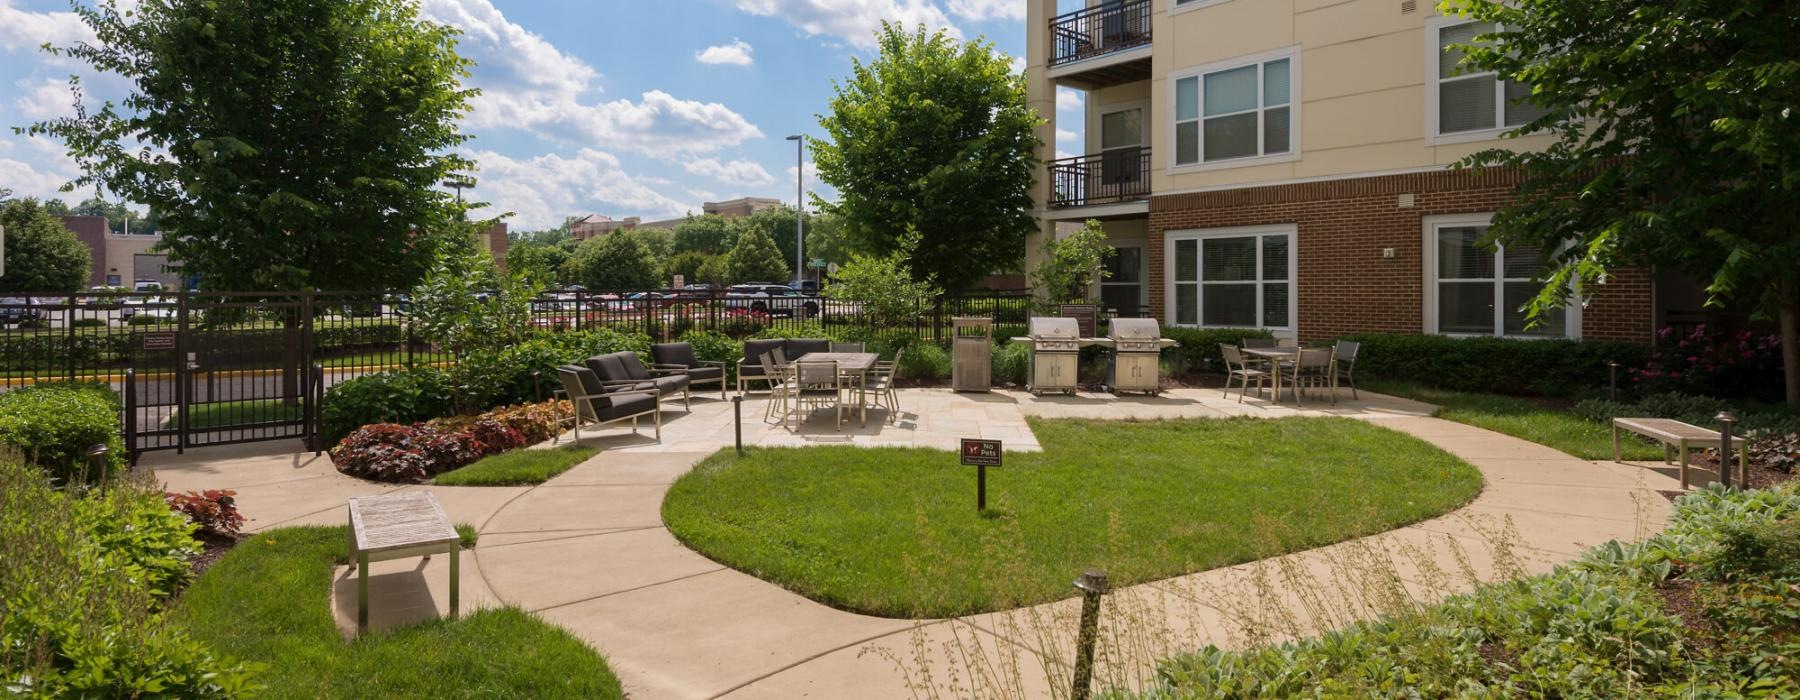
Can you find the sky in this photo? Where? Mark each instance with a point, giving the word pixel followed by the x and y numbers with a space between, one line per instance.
pixel 615 107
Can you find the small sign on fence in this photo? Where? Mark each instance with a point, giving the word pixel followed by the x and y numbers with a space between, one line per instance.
pixel 157 341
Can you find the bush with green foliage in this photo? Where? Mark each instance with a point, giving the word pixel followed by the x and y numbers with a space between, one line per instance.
pixel 1688 408
pixel 1011 364
pixel 1070 265
pixel 85 574
pixel 924 362
pixel 884 287
pixel 713 346
pixel 1197 349
pixel 41 255
pixel 612 262
pixel 1549 367
pixel 1593 628
pixel 395 396
pixel 465 305
pixel 54 423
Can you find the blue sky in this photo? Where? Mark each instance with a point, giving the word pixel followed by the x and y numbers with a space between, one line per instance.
pixel 621 108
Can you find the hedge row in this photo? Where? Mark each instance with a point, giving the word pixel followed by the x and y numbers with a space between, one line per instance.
pixel 53 424
pixel 1550 367
pixel 54 351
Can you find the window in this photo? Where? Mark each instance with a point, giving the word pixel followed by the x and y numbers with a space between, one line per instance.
pixel 1238 278
pixel 1122 289
pixel 1481 290
pixel 1473 102
pixel 1243 111
pixel 1121 147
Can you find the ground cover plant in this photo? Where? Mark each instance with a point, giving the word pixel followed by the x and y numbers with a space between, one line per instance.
pixel 414 453
pixel 1702 610
pixel 266 601
pixel 518 467
pixel 895 532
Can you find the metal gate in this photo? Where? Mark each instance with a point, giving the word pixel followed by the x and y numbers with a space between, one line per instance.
pixel 230 369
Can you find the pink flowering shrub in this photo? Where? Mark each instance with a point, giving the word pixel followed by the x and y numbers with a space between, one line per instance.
pixel 1704 362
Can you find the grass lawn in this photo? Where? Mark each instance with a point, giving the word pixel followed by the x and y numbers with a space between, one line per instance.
pixel 236 413
pixel 266 602
pixel 1524 419
pixel 518 467
pixel 894 531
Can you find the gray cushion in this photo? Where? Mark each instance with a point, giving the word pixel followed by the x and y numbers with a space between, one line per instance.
pixel 671 383
pixel 634 368
pixel 608 367
pixel 706 373
pixel 627 405
pixel 753 352
pixel 801 347
pixel 674 354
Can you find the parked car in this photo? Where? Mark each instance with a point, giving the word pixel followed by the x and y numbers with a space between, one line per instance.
pixel 146 286
pixel 771 299
pixel 806 287
pixel 149 307
pixel 18 310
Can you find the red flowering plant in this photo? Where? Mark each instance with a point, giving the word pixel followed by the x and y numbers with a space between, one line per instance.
pixel 383 452
pixel 1716 364
pixel 415 453
pixel 213 510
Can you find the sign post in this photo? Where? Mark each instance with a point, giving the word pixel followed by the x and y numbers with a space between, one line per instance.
pixel 980 454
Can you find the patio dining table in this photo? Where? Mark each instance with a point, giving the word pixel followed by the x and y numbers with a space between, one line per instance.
pixel 1276 356
pixel 854 365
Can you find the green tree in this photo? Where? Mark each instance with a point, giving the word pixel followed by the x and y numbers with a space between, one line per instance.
pixel 1071 264
pixel 543 262
pixel 884 286
pixel 56 207
pixel 934 135
pixel 549 236
pixel 660 242
pixel 689 265
pixel 465 305
pixel 778 224
pixel 828 240
pixel 612 262
pixel 1675 129
pixel 756 258
pixel 41 255
pixel 290 145
pixel 710 234
pixel 716 271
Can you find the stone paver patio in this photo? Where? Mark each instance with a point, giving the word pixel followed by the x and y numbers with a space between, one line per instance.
pixel 588 551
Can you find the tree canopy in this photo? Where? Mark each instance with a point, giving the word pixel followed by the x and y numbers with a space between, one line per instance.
pixel 884 286
pixel 933 135
pixel 708 233
pixel 1071 264
pixel 41 255
pixel 755 258
pixel 289 145
pixel 1675 128
pixel 612 262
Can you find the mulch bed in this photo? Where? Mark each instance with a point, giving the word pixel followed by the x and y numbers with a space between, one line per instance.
pixel 212 547
pixel 1679 598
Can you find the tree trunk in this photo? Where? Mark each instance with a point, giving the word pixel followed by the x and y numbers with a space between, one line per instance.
pixel 1790 342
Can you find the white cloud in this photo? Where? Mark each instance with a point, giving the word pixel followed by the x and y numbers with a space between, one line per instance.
pixel 529 84
pixel 1063 135
pixel 1068 100
pixel 1016 64
pixel 25 30
pixel 741 173
pixel 852 21
pixel 541 190
pixel 703 195
pixel 48 99
pixel 736 53
pixel 981 10
pixel 45 167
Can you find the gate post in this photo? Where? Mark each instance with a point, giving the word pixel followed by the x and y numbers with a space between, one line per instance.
pixel 181 372
pixel 69 326
pixel 315 397
pixel 131 451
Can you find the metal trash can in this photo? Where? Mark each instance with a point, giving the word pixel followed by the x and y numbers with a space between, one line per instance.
pixel 971 354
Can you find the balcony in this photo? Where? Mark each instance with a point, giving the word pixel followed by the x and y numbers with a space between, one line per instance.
pixel 1118 176
pixel 1103 45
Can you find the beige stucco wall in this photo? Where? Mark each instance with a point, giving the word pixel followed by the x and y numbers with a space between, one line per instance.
pixel 1361 86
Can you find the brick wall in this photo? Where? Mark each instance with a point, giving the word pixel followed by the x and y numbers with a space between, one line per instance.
pixel 91 230
pixel 1345 285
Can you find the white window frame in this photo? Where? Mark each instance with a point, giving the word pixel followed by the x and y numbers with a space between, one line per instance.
pixel 1143 283
pixel 1431 225
pixel 1292 54
pixel 1433 94
pixel 1170 238
pixel 1099 121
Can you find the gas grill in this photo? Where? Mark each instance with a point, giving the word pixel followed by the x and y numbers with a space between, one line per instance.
pixel 1136 355
pixel 1055 354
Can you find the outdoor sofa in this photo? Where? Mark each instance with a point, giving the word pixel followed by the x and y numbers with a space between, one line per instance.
pixel 750 368
pixel 616 369
pixel 681 357
pixel 597 404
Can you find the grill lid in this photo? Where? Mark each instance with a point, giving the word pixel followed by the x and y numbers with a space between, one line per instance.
pixel 1139 329
pixel 1054 328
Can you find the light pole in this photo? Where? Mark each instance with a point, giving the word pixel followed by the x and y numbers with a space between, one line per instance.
pixel 799 207
pixel 458 185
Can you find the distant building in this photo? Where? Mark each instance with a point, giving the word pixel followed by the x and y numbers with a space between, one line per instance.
pixel 122 261
pixel 594 225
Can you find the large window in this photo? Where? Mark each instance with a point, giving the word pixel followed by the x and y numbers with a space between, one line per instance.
pixel 1470 102
pixel 1481 290
pixel 1122 289
pixel 1235 112
pixel 1238 278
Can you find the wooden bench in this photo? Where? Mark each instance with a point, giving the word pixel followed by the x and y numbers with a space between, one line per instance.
pixel 1677 436
pixel 396 526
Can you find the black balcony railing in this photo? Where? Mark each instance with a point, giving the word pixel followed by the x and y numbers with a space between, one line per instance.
pixel 1117 175
pixel 1099 30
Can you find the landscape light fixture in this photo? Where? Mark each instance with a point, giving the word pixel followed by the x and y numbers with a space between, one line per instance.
pixel 799 206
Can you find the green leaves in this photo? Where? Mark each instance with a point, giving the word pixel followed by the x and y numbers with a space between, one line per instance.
pixel 41 255
pixel 1072 264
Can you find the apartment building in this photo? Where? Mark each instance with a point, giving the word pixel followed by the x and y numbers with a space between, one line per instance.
pixel 1286 164
pixel 593 225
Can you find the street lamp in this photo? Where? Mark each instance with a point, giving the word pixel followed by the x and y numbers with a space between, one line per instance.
pixel 799 206
pixel 458 185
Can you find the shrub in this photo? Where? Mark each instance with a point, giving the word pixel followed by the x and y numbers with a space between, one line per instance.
pixel 1495 365
pixel 713 346
pixel 54 424
pixel 415 453
pixel 79 618
pixel 924 362
pixel 1696 410
pixel 1012 364
pixel 147 320
pixel 1199 347
pixel 89 323
pixel 399 396
pixel 1701 361
pixel 535 422
pixel 214 510
pixel 383 452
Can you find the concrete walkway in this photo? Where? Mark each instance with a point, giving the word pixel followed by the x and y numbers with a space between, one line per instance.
pixel 588 551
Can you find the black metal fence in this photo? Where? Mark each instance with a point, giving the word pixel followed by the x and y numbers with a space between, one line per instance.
pixel 1118 175
pixel 211 368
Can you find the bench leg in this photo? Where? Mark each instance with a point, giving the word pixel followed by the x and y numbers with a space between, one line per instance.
pixel 1615 431
pixel 455 577
pixel 362 591
pixel 1684 475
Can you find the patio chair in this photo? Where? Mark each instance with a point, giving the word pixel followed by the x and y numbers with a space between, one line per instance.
pixel 881 384
pixel 750 369
pixel 625 369
pixel 1312 367
pixel 847 347
pixel 1346 363
pixel 597 404
pixel 680 356
pixel 818 384
pixel 1259 342
pixel 1238 369
pixel 1259 363
pixel 780 385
